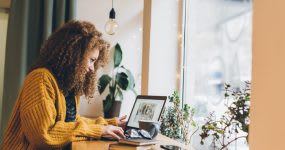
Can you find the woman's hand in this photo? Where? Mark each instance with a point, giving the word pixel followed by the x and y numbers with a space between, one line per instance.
pixel 114 131
pixel 122 121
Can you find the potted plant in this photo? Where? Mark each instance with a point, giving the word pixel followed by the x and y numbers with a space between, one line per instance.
pixel 177 120
pixel 233 124
pixel 120 80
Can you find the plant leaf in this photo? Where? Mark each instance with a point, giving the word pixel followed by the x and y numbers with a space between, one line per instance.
pixel 103 82
pixel 107 103
pixel 130 78
pixel 122 80
pixel 118 55
pixel 119 94
pixel 112 90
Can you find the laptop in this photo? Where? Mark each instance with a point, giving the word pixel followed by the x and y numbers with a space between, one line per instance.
pixel 146 107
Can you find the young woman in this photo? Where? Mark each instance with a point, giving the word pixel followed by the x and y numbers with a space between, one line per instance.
pixel 45 115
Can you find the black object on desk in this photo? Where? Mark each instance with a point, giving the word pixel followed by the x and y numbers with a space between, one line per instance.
pixel 171 147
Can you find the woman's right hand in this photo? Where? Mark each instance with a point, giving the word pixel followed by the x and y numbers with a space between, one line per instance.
pixel 114 131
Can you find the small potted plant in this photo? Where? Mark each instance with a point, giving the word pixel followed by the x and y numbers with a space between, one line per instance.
pixel 234 123
pixel 177 120
pixel 120 80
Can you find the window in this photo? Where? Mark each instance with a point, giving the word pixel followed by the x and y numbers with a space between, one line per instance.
pixel 217 50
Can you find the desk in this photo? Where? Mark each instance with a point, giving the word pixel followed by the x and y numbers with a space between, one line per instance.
pixel 104 145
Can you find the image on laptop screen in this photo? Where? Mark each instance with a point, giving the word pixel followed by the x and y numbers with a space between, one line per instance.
pixel 146 108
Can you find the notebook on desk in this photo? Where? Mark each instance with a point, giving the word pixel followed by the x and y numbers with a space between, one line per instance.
pixel 138 142
pixel 129 147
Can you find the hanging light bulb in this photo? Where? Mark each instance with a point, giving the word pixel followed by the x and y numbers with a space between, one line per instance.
pixel 111 26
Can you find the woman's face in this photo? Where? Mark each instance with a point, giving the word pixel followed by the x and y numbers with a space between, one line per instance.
pixel 92 57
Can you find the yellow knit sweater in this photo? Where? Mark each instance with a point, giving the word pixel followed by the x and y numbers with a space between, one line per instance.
pixel 38 117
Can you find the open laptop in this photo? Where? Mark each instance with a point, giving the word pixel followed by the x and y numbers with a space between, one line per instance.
pixel 146 107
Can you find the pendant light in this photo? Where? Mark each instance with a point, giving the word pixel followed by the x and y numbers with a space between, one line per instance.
pixel 111 26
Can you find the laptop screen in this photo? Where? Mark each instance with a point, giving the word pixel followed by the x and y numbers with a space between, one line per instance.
pixel 146 108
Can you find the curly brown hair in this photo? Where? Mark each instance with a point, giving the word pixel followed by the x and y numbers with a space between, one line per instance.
pixel 63 54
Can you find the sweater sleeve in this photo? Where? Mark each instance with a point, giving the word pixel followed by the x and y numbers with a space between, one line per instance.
pixel 99 120
pixel 39 116
pixel 112 121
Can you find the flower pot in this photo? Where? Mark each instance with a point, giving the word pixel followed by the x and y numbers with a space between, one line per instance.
pixel 114 111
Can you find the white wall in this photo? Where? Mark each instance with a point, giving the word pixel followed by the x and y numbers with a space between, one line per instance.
pixel 3 33
pixel 129 15
pixel 165 44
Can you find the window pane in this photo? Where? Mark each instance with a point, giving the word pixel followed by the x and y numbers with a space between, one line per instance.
pixel 218 45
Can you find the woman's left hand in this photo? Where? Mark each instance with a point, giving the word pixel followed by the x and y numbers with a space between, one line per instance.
pixel 122 121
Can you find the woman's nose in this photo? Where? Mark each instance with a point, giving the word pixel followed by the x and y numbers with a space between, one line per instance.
pixel 91 68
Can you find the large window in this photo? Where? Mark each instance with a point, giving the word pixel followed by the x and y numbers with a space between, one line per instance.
pixel 217 50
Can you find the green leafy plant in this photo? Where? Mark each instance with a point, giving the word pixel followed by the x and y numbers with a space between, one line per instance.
pixel 120 80
pixel 234 123
pixel 176 120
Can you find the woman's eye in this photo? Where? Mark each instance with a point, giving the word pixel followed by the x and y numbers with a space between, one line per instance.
pixel 92 60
